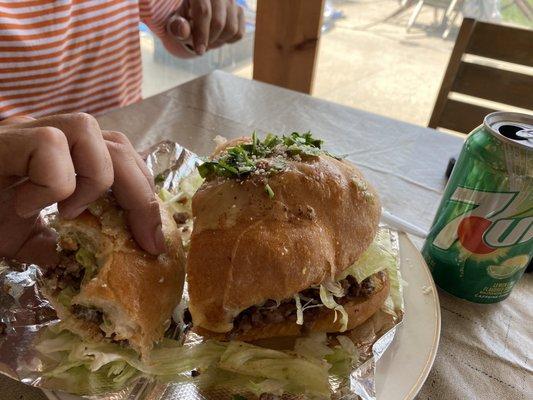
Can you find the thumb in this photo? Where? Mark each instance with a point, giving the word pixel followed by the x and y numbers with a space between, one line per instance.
pixel 179 27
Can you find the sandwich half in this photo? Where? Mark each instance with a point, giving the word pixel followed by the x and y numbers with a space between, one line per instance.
pixel 106 287
pixel 278 225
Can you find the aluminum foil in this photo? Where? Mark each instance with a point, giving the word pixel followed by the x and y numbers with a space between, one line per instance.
pixel 25 313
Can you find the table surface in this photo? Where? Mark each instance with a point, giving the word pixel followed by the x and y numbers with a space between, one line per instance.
pixel 485 349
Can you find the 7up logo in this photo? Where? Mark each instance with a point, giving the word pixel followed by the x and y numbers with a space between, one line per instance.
pixel 491 223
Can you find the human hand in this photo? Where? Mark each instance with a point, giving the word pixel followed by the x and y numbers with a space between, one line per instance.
pixel 67 159
pixel 208 24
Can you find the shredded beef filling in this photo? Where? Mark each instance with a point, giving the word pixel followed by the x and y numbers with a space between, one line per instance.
pixel 180 218
pixel 268 396
pixel 69 273
pixel 87 313
pixel 271 312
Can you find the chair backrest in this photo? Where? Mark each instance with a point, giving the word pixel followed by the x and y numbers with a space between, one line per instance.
pixel 499 42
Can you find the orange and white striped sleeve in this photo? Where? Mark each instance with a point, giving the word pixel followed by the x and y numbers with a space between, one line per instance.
pixel 68 55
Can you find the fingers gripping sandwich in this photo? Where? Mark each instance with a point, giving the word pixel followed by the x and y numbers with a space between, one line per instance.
pixel 106 287
pixel 278 225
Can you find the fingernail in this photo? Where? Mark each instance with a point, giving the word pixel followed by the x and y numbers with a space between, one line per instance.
pixel 201 49
pixel 159 240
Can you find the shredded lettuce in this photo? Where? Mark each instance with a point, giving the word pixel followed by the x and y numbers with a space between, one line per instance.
pixel 55 342
pixel 165 195
pixel 81 367
pixel 327 299
pixel 343 357
pixel 80 380
pixel 335 288
pixel 377 257
pixel 340 361
pixel 185 191
pixel 348 346
pixel 169 358
pixel 65 296
pixel 313 346
pixel 180 201
pixel 236 382
pixel 87 259
pixel 107 326
pixel 67 368
pixel 299 310
pixel 395 300
pixel 381 256
pixel 298 374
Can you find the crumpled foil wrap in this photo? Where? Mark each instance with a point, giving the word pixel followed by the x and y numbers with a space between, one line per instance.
pixel 24 313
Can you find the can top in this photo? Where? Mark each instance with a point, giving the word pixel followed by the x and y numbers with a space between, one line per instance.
pixel 511 127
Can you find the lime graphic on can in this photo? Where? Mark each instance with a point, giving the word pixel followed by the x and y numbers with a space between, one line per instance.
pixel 508 268
pixel 481 240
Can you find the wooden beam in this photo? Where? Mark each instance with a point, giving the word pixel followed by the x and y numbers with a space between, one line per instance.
pixel 500 85
pixel 286 42
pixel 501 42
pixel 462 117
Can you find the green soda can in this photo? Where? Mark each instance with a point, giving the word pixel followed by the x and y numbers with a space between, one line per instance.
pixel 481 240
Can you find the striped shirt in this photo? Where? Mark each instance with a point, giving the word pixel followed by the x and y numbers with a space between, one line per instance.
pixel 73 55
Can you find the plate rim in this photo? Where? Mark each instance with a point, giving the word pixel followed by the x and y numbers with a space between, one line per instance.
pixel 436 335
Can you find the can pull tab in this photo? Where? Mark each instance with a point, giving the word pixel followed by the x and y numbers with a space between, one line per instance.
pixel 526 134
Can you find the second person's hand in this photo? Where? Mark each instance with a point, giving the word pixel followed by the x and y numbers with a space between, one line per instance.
pixel 208 23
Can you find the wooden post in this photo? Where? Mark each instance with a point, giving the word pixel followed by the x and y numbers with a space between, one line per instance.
pixel 286 42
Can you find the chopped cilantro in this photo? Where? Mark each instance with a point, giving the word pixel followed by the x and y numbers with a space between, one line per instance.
pixel 261 156
pixel 269 191
pixel 160 178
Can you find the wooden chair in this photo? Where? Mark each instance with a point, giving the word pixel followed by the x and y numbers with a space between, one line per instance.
pixel 451 8
pixel 498 42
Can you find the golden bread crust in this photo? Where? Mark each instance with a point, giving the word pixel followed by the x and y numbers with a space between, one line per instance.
pixel 247 248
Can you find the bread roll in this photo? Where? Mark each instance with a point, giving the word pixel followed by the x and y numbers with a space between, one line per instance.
pixel 135 291
pixel 247 248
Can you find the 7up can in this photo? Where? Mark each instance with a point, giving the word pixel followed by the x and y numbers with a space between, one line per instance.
pixel 481 240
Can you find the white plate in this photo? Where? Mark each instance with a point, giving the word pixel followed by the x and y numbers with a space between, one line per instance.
pixel 404 367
